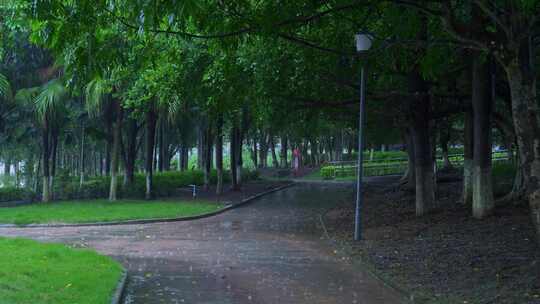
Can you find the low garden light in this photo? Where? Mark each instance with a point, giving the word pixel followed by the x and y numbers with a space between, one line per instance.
pixel 363 44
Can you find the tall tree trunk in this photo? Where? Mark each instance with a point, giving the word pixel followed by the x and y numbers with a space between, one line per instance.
pixel 131 152
pixel 410 175
pixel 36 175
pixel 339 146
pixel 233 156
pixel 108 148
pixel 156 151
pixel 219 154
pixel 45 196
pixel 444 137
pixel 162 146
pixel 117 132
pixel 7 167
pixel 275 162
pixel 263 151
pixel 314 152
pixel 101 165
pixel 179 159
pixel 241 134
pixel 53 156
pixel 17 174
pixel 150 141
pixel 208 157
pixel 421 119
pixel 184 158
pixel 525 112
pixel 81 179
pixel 284 151
pixel 483 202
pixel 468 155
pixel 254 152
pixel 200 147
pixel 424 171
pixel 239 157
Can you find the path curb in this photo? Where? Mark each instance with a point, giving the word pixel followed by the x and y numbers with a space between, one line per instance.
pixel 325 182
pixel 256 196
pixel 407 296
pixel 120 287
pixel 153 221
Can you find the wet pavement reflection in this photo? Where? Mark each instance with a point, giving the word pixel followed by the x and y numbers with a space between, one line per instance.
pixel 270 251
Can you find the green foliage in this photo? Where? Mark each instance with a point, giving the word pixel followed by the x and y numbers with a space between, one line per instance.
pixel 503 177
pixel 8 194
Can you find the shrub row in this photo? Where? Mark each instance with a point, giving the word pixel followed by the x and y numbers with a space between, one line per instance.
pixel 9 194
pixel 328 172
pixel 164 184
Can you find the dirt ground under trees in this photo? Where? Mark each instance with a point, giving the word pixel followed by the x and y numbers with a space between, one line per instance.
pixel 446 257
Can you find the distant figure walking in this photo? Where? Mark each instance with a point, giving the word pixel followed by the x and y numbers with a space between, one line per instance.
pixel 296 161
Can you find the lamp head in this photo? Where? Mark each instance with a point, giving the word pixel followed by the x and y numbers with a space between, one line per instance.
pixel 363 42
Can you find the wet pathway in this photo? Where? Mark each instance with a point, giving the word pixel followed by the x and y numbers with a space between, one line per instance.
pixel 267 252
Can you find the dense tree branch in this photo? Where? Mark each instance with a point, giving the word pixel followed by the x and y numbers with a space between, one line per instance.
pixel 491 14
pixel 249 29
pixel 310 44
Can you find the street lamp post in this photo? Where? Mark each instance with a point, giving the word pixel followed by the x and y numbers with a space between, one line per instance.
pixel 363 44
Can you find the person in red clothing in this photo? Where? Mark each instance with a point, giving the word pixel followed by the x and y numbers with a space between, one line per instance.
pixel 296 161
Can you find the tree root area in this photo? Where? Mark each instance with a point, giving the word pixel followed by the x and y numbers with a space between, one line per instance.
pixel 447 256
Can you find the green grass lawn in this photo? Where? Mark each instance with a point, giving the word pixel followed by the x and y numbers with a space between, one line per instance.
pixel 102 211
pixel 31 272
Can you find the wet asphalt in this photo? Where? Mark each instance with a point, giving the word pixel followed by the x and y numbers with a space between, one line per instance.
pixel 270 251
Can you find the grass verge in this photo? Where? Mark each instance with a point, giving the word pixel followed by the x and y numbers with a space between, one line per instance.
pixel 102 211
pixel 31 272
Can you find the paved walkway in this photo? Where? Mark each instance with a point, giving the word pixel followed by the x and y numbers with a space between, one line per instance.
pixel 267 252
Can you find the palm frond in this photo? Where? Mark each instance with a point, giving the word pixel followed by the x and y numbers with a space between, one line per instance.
pixel 5 89
pixel 95 92
pixel 51 98
pixel 25 97
pixel 174 108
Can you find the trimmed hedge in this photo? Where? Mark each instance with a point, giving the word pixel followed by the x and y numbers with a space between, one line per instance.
pixel 328 172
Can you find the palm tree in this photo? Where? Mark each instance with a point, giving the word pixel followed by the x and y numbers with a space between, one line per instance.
pixel 96 93
pixel 48 103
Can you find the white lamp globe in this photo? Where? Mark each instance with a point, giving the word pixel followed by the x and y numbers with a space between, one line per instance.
pixel 363 42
